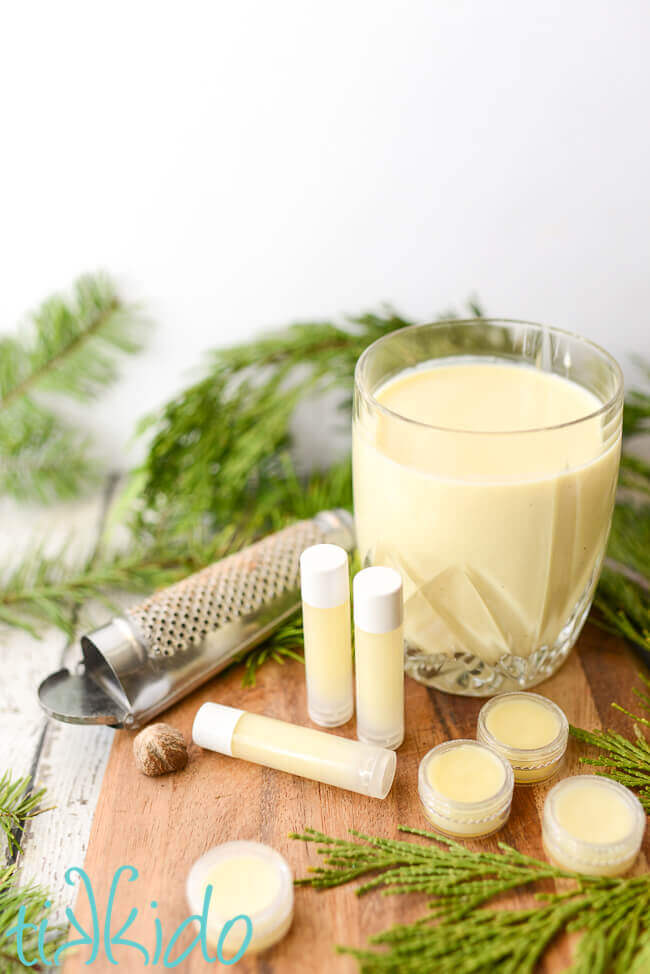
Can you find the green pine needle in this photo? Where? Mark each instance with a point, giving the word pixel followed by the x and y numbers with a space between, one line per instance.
pixel 460 934
pixel 68 348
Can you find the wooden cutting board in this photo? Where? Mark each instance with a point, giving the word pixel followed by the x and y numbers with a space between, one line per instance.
pixel 161 825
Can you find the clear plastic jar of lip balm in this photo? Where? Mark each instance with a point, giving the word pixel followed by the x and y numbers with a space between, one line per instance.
pixel 248 879
pixel 465 788
pixel 592 825
pixel 528 730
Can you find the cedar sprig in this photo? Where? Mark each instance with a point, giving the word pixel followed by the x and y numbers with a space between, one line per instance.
pixel 69 347
pixel 626 761
pixel 459 933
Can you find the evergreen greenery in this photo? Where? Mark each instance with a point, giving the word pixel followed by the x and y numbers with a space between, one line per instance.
pixel 17 805
pixel 37 907
pixel 460 933
pixel 68 348
pixel 625 760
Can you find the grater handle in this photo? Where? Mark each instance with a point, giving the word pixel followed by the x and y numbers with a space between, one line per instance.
pixel 160 650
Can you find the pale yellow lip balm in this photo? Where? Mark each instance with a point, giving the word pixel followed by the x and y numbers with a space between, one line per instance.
pixel 592 825
pixel 379 656
pixel 325 588
pixel 248 879
pixel 527 730
pixel 364 768
pixel 465 788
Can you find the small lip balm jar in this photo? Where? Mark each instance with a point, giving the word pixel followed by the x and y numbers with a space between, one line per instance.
pixel 247 878
pixel 528 730
pixel 592 825
pixel 465 788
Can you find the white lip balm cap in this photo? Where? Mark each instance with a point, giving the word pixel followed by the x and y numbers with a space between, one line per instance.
pixel 214 726
pixel 324 578
pixel 378 600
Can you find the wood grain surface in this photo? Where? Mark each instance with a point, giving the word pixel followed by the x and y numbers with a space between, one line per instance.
pixel 162 825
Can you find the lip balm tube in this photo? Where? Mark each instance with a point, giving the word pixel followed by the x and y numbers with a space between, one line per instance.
pixel 528 730
pixel 325 587
pixel 302 751
pixel 379 656
pixel 592 825
pixel 248 879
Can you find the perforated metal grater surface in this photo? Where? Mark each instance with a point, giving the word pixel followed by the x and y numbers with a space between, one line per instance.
pixel 172 620
pixel 160 650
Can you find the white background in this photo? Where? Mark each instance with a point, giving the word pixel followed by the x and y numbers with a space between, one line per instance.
pixel 240 165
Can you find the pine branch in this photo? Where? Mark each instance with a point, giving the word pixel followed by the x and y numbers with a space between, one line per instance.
pixel 459 934
pixel 17 805
pixel 67 349
pixel 45 590
pixel 37 906
pixel 219 443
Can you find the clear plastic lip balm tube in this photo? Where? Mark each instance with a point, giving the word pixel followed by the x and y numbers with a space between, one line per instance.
pixel 303 751
pixel 325 587
pixel 379 656
pixel 247 878
pixel 528 730
pixel 592 825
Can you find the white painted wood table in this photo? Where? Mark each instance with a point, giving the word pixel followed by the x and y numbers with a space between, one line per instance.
pixel 68 760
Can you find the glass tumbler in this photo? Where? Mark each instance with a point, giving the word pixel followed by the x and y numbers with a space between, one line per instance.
pixel 499 534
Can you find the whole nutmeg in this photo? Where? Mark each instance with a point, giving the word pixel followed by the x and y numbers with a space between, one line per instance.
pixel 159 749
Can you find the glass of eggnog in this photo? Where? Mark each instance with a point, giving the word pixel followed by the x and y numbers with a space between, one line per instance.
pixel 485 459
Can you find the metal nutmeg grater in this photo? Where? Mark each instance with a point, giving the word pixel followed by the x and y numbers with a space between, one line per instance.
pixel 140 663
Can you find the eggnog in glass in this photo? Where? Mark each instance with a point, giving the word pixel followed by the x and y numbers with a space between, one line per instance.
pixel 485 465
